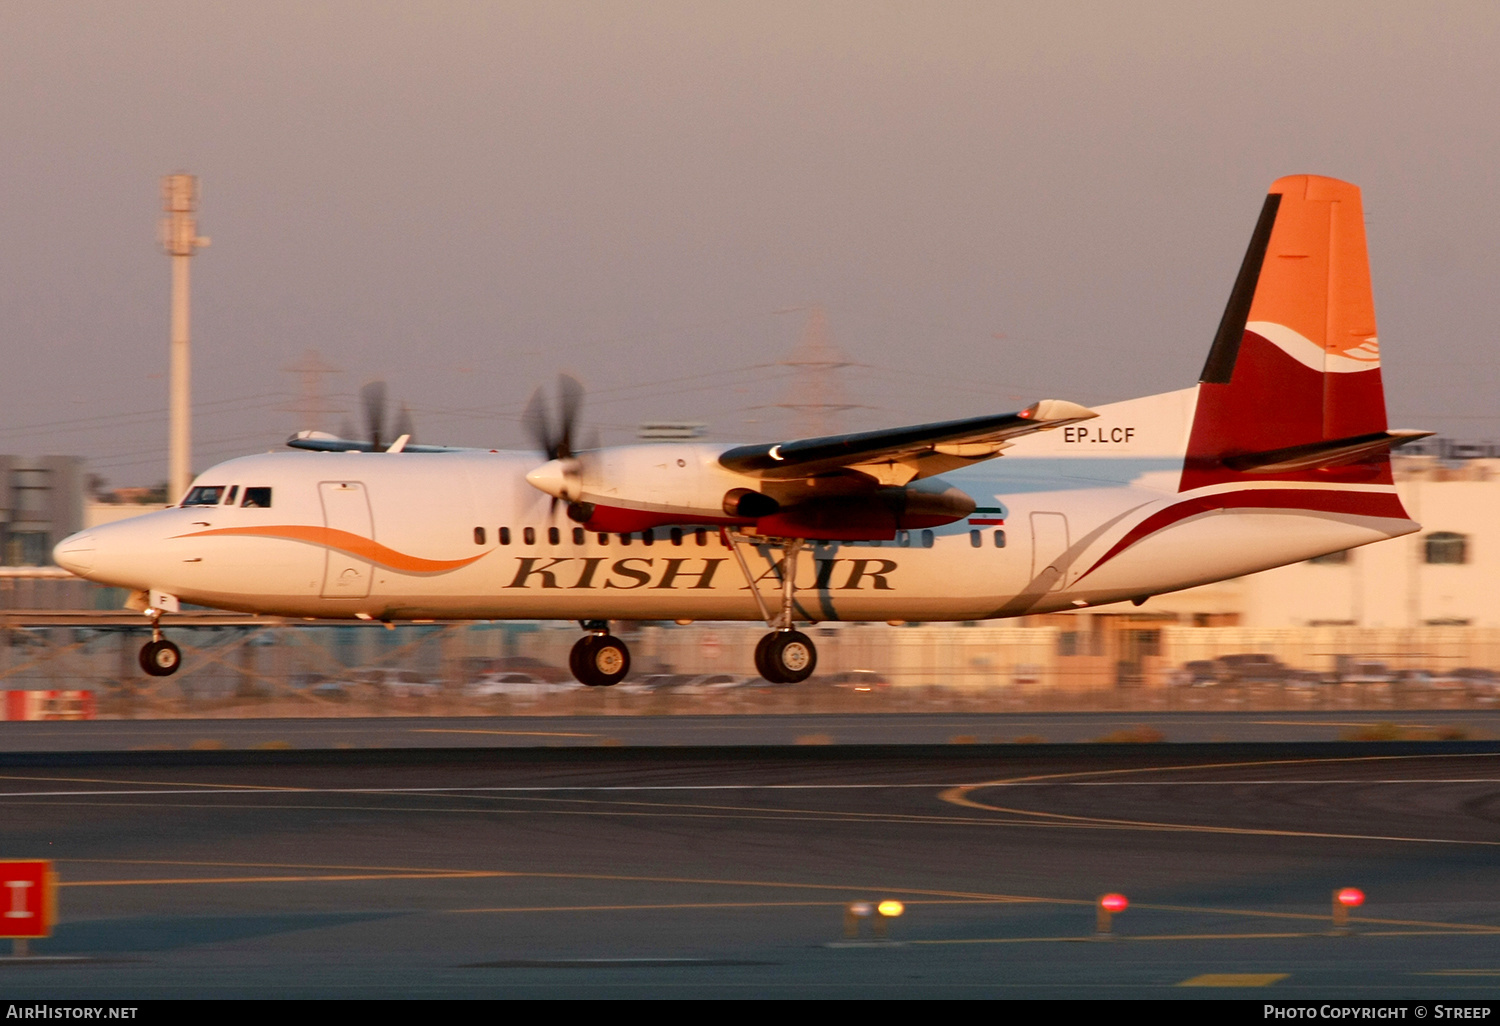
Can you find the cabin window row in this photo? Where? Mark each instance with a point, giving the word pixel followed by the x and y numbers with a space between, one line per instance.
pixel 578 536
pixel 680 536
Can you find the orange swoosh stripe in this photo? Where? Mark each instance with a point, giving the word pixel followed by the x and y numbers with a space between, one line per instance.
pixel 344 541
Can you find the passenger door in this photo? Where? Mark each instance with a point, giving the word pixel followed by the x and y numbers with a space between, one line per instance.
pixel 1049 544
pixel 346 508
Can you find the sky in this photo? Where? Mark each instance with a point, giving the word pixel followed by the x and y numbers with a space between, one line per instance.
pixel 991 202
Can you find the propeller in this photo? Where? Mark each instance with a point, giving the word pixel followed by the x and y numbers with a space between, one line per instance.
pixel 560 477
pixel 555 440
pixel 383 432
pixel 373 400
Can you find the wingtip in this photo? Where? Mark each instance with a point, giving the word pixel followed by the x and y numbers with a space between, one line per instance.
pixel 1047 411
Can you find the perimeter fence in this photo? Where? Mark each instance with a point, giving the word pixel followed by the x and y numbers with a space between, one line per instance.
pixel 277 668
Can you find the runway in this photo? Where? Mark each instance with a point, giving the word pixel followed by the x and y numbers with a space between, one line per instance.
pixel 897 729
pixel 725 872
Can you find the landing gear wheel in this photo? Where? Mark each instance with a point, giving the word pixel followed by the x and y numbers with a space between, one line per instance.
pixel 764 666
pixel 790 655
pixel 599 660
pixel 160 658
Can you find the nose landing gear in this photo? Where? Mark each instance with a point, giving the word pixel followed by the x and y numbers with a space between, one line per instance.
pixel 159 657
pixel 599 659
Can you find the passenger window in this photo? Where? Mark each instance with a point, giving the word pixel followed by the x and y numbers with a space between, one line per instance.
pixel 478 536
pixel 257 497
pixel 999 539
pixel 676 536
pixel 648 537
pixel 554 536
pixel 976 538
pixel 529 536
pixel 702 536
pixel 903 538
pixel 204 495
pixel 603 539
pixel 578 536
pixel 504 536
pixel 234 493
pixel 926 539
pixel 624 539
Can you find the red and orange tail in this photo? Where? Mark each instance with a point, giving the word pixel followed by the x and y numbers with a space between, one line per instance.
pixel 1292 388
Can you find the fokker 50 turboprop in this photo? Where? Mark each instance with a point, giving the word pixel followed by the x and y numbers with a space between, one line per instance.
pixel 1279 453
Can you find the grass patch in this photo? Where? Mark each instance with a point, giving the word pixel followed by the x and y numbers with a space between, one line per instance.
pixel 1138 734
pixel 1397 732
pixel 815 739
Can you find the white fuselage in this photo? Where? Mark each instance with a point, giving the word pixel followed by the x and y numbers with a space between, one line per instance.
pixel 463 535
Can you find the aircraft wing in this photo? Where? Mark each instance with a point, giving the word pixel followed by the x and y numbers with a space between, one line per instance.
pixel 898 455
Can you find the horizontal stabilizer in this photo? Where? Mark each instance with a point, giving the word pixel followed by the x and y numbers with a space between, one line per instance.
pixel 322 441
pixel 1335 452
pixel 969 440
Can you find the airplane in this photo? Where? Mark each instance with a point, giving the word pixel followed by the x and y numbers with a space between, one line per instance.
pixel 1279 453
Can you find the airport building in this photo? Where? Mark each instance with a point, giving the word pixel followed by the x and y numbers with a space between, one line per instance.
pixel 41 502
pixel 1446 575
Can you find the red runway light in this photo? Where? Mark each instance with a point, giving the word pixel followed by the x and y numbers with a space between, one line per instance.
pixel 1351 896
pixel 1118 902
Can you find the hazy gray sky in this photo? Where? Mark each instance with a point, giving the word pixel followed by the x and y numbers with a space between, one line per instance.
pixel 994 202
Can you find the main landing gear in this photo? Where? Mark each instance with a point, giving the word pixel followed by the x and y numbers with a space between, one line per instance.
pixel 599 659
pixel 159 657
pixel 786 655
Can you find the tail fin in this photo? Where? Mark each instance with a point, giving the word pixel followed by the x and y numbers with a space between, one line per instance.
pixel 1292 389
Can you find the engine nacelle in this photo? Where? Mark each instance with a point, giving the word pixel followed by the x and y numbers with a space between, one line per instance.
pixel 631 488
pixel 873 516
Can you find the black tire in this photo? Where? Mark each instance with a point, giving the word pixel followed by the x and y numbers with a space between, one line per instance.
pixel 792 656
pixel 599 660
pixel 764 666
pixel 160 658
pixel 576 657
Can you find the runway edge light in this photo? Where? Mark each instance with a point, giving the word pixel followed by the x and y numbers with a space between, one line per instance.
pixel 1106 908
pixel 853 913
pixel 1344 899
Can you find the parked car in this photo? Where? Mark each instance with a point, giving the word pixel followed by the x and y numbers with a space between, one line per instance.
pixel 1354 670
pixel 1196 673
pixel 392 682
pixel 1251 668
pixel 1477 678
pixel 653 682
pixel 515 685
pixel 532 665
pixel 711 683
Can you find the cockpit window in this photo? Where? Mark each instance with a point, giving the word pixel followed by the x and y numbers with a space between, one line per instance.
pixel 260 497
pixel 234 491
pixel 204 495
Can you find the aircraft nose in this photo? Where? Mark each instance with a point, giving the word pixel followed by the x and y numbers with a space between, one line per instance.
pixel 75 553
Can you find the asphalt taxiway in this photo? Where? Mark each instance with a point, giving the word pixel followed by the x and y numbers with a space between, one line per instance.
pixel 710 872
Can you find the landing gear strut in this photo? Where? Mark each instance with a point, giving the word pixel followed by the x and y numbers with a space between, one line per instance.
pixel 785 656
pixel 599 659
pixel 159 657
